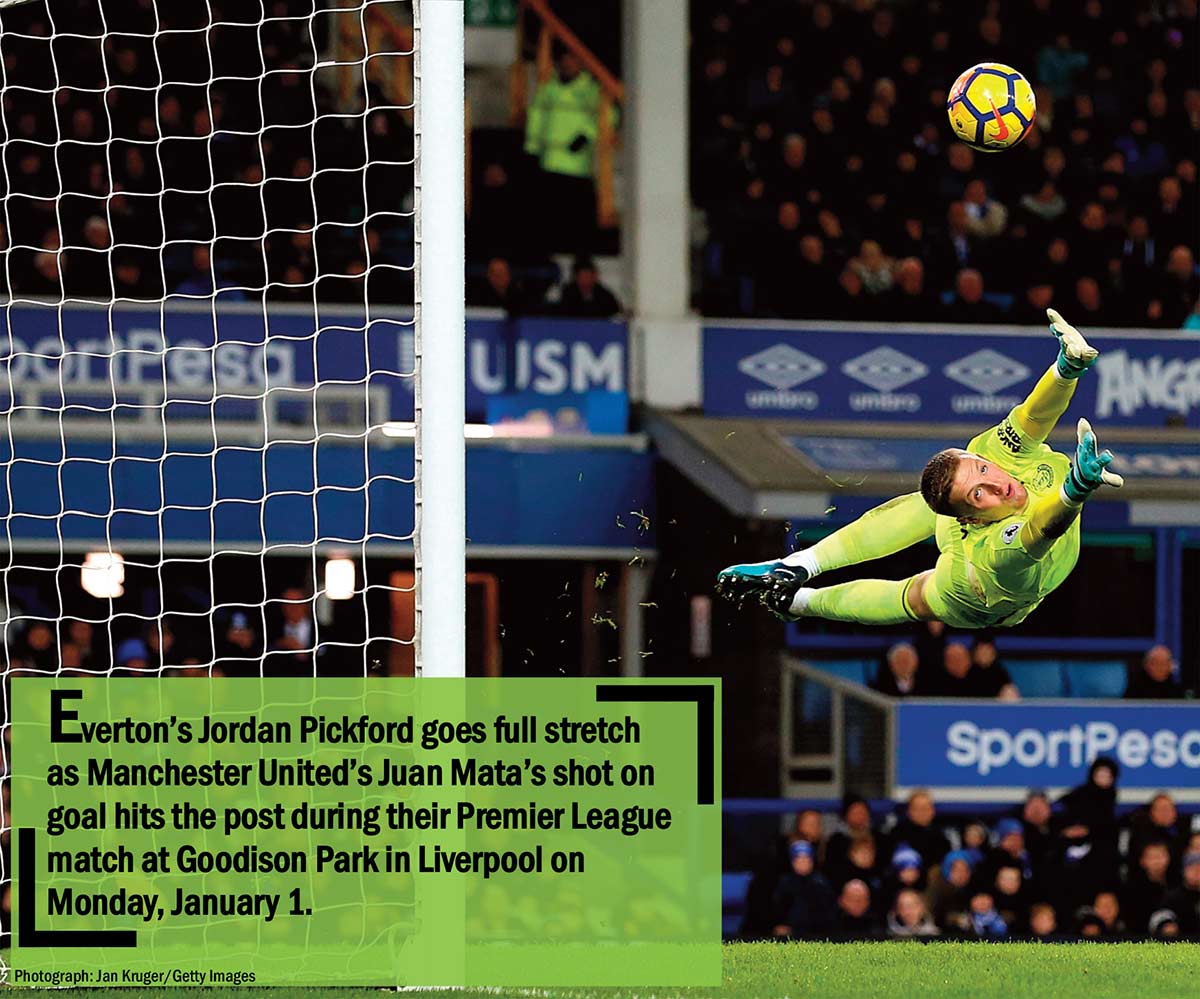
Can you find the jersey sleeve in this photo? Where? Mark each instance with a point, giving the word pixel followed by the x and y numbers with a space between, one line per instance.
pixel 1006 440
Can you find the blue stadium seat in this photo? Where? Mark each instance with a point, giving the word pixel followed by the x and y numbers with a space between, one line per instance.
pixel 816 698
pixel 858 670
pixel 1039 677
pixel 1100 679
pixel 734 885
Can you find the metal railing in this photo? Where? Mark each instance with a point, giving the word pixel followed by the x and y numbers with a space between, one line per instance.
pixel 835 734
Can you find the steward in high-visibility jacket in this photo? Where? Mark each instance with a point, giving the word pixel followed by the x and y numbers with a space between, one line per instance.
pixel 563 121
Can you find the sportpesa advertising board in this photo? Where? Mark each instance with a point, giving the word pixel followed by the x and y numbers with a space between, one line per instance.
pixel 940 374
pixel 242 351
pixel 981 745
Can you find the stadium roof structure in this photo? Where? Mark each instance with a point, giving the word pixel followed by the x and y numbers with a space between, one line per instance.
pixel 774 469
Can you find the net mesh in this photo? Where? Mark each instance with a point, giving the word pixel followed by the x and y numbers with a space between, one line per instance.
pixel 208 252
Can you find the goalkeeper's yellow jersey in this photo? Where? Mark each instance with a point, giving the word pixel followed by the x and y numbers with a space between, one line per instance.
pixel 984 577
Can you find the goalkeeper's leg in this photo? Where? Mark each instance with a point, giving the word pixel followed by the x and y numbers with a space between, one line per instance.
pixel 1050 397
pixel 885 530
pixel 864 601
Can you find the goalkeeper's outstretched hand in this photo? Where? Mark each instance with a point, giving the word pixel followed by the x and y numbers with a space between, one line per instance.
pixel 1089 471
pixel 1075 354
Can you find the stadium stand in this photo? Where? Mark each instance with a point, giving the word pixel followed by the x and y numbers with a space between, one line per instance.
pixel 869 213
pixel 1011 862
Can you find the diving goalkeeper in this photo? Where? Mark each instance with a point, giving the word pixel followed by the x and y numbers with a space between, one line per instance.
pixel 1005 513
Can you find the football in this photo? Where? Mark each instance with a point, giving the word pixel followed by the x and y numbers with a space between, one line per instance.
pixel 991 107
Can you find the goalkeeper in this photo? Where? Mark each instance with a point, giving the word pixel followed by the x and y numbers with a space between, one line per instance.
pixel 1005 513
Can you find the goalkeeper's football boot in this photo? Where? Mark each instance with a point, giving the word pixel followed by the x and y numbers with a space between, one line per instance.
pixel 755 579
pixel 780 595
pixel 1075 354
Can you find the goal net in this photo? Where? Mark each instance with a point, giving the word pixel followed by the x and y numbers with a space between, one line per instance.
pixel 209 247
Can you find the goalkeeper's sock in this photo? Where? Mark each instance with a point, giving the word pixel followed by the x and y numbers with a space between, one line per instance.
pixel 864 601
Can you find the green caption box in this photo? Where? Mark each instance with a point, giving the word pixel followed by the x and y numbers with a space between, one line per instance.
pixel 517 832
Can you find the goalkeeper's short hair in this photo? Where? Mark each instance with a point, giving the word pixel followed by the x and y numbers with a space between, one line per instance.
pixel 937 479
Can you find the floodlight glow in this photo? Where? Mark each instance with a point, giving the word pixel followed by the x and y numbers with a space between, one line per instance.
pixel 103 575
pixel 339 578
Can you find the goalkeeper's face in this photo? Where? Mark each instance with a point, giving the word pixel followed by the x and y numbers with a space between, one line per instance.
pixel 982 492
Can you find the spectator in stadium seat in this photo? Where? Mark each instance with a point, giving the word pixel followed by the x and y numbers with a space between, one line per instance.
pixel 1057 64
pixel 291 644
pixel 241 650
pixel 854 919
pixel 854 823
pixel 1089 302
pixel 986 217
pixel 955 678
pixel 984 920
pixel 132 657
pixel 1030 310
pixel 803 901
pixel 907 870
pixel 1105 907
pixel 899 675
pixel 909 917
pixel 917 829
pixel 909 300
pixel 1092 805
pixel 497 289
pixel 1155 680
pixel 949 893
pixel 1009 895
pixel 1176 293
pixel 873 267
pixel 1158 821
pixel 861 861
pixel 584 296
pixel 810 827
pixel 1164 925
pixel 1010 848
pixel 991 678
pixel 1036 815
pixel 38 648
pixel 968 305
pixel 953 249
pixel 1185 900
pixel 930 641
pixel 1043 923
pixel 160 646
pixel 976 840
pixel 1146 886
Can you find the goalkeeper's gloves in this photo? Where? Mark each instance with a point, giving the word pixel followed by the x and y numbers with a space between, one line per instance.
pixel 1075 354
pixel 737 582
pixel 1089 471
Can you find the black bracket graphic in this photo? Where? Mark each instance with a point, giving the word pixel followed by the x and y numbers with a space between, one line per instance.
pixel 677 693
pixel 28 935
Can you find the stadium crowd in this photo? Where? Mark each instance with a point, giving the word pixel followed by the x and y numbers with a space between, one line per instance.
pixel 833 188
pixel 934 666
pixel 144 157
pixel 1046 871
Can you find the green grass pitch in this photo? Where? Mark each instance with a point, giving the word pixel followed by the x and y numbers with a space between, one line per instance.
pixel 863 971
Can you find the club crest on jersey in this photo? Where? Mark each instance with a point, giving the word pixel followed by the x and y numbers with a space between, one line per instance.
pixel 1043 478
pixel 1011 532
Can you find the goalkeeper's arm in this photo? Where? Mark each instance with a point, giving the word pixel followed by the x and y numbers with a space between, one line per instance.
pixel 1038 414
pixel 1052 515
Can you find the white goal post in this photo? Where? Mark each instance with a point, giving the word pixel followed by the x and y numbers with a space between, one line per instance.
pixel 440 543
